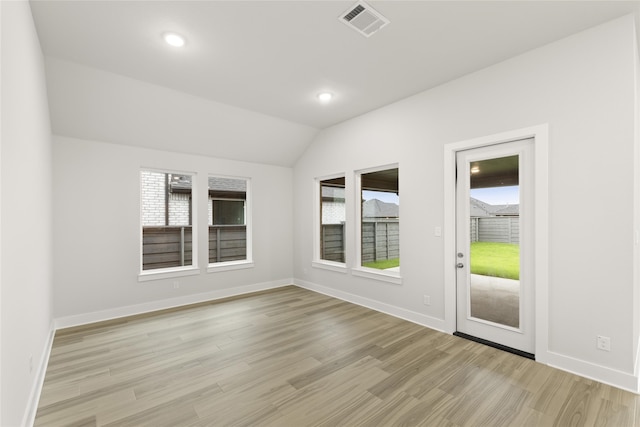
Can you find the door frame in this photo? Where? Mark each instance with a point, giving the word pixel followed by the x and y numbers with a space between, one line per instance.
pixel 540 135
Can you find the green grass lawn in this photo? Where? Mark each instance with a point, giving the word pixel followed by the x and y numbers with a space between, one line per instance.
pixel 383 264
pixel 495 259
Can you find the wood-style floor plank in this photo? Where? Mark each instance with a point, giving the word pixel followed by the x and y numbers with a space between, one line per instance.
pixel 292 357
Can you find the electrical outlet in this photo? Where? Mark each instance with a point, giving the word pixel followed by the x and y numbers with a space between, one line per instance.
pixel 176 285
pixel 30 363
pixel 603 343
pixel 426 299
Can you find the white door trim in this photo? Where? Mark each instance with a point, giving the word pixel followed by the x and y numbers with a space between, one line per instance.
pixel 540 134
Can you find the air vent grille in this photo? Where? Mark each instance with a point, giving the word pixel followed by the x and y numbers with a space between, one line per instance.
pixel 356 10
pixel 364 19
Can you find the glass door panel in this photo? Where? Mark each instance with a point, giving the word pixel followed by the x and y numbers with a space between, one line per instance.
pixel 494 240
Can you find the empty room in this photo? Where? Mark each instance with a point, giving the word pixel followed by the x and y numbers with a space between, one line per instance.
pixel 319 213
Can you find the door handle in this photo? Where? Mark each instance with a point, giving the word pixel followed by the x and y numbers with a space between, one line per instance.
pixel 459 265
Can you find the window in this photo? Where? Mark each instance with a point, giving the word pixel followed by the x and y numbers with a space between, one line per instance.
pixel 332 219
pixel 228 213
pixel 167 211
pixel 380 220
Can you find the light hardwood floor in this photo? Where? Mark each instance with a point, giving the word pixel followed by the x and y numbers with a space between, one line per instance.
pixel 291 357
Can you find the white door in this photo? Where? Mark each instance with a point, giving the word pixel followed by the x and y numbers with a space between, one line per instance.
pixel 495 247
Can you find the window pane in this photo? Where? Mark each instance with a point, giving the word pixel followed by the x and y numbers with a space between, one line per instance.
pixel 227 219
pixel 380 222
pixel 167 237
pixel 332 223
pixel 494 255
pixel 228 212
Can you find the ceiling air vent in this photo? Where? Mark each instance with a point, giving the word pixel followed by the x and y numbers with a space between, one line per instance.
pixel 364 19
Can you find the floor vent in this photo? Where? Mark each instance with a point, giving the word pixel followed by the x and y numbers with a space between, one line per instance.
pixel 364 19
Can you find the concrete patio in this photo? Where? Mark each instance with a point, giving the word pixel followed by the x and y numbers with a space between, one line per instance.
pixel 495 299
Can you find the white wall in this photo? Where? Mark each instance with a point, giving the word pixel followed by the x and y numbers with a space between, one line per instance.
pixel 97 230
pixel 636 255
pixel 25 177
pixel 583 87
pixel 97 105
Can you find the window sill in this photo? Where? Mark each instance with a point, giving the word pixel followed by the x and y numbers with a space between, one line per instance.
pixel 230 265
pixel 167 273
pixel 381 275
pixel 330 265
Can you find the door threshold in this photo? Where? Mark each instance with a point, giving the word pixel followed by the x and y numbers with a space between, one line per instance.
pixel 496 345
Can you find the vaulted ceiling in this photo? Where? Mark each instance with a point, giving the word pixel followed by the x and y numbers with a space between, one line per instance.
pixel 274 57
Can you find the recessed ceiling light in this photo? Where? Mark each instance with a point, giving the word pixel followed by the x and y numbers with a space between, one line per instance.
pixel 325 96
pixel 173 39
pixel 475 169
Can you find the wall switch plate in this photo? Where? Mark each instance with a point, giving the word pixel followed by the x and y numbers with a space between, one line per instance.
pixel 603 343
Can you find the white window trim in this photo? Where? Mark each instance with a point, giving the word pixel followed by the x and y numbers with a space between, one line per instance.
pixel 340 267
pixel 167 273
pixel 317 222
pixel 393 277
pixel 229 265
pixel 170 272
pixel 214 267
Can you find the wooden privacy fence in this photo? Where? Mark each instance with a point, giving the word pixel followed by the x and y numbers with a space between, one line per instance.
pixel 227 243
pixel 164 247
pixel 171 246
pixel 332 242
pixel 501 229
pixel 380 239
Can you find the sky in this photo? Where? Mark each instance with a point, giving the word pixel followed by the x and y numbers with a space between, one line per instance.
pixel 380 195
pixel 498 195
pixel 494 196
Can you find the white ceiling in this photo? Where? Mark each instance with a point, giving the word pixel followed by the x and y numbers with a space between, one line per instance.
pixel 273 57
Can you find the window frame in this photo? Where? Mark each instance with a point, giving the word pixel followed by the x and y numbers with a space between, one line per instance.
pixel 393 277
pixel 317 261
pixel 169 272
pixel 248 261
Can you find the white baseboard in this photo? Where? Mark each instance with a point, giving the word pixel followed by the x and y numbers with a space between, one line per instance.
pixel 612 377
pixel 36 388
pixel 624 380
pixel 636 371
pixel 615 378
pixel 411 316
pixel 132 310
